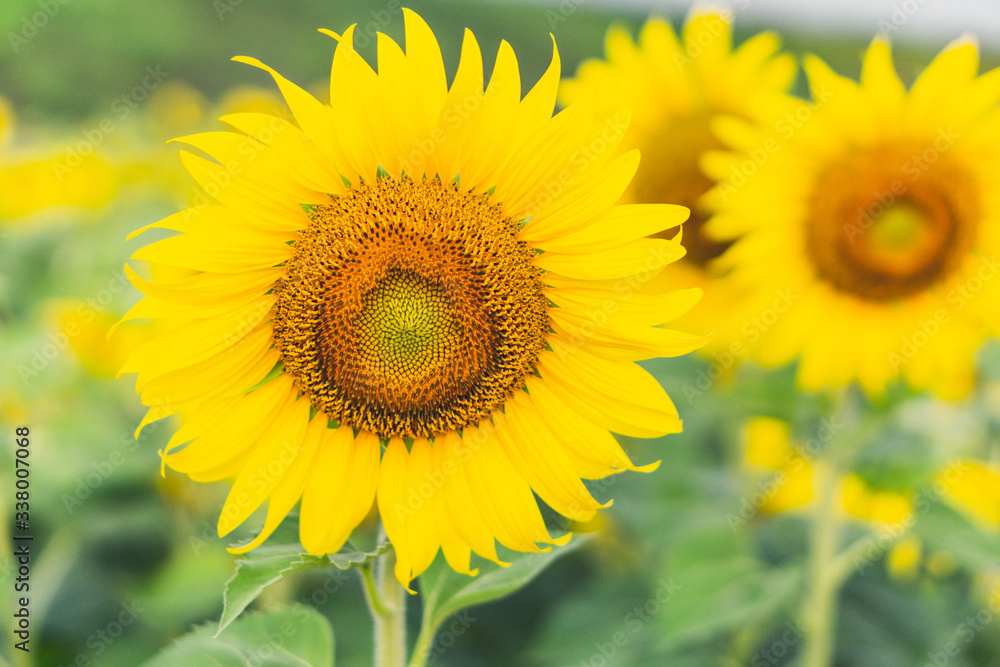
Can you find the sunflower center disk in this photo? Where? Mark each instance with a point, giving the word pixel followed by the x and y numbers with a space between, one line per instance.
pixel 405 329
pixel 410 309
pixel 881 231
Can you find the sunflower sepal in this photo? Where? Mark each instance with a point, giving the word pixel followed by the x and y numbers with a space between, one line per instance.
pixel 282 556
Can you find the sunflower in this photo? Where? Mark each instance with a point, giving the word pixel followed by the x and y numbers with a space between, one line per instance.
pixel 784 481
pixel 677 89
pixel 879 211
pixel 35 179
pixel 769 448
pixel 422 296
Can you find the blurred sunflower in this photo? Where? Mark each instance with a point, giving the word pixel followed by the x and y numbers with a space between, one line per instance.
pixel 976 492
pixel 87 331
pixel 176 108
pixel 881 214
pixel 417 269
pixel 971 487
pixel 35 178
pixel 677 89
pixel 6 122
pixel 768 448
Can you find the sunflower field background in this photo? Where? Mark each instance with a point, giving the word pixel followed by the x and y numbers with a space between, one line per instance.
pixel 705 561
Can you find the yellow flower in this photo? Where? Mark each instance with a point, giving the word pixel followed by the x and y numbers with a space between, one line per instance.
pixel 975 491
pixel 30 182
pixel 88 332
pixel 886 508
pixel 878 211
pixel 38 179
pixel 905 557
pixel 769 447
pixel 677 90
pixel 422 297
pixel 251 99
pixel 175 107
pixel 33 185
pixel 6 122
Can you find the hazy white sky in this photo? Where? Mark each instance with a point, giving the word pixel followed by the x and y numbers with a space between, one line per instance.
pixel 910 20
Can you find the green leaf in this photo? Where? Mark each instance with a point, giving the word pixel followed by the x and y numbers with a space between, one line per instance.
pixel 280 556
pixel 446 592
pixel 943 529
pixel 294 637
pixel 723 588
pixel 717 599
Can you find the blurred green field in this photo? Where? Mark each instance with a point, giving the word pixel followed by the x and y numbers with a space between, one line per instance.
pixel 126 561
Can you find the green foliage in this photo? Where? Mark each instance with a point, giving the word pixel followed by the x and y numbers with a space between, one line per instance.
pixel 294 637
pixel 943 529
pixel 722 589
pixel 280 556
pixel 445 592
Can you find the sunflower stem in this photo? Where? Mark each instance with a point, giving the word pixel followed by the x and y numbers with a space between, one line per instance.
pixel 827 571
pixel 820 609
pixel 422 649
pixel 387 603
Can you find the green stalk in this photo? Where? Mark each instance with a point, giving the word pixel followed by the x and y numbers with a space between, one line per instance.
pixel 827 570
pixel 387 603
pixel 428 629
pixel 820 606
